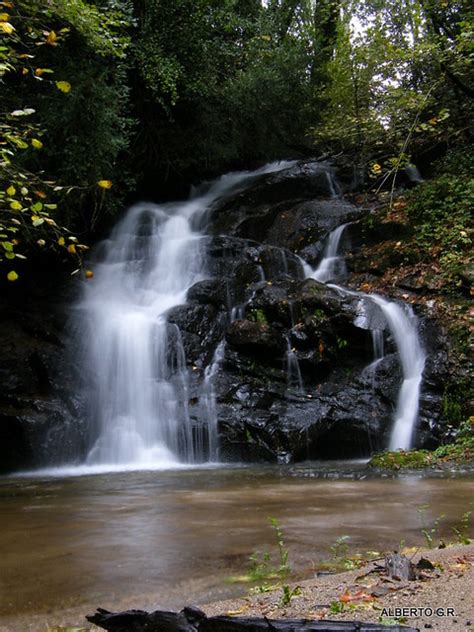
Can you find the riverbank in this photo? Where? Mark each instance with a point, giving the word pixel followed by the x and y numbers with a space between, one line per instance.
pixel 164 540
pixel 441 597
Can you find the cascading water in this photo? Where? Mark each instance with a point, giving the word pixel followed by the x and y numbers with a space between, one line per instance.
pixel 404 328
pixel 332 264
pixel 403 325
pixel 139 398
pixel 293 371
pixel 377 354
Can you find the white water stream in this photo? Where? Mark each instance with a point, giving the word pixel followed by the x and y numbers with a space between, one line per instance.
pixel 403 325
pixel 139 397
pixel 332 265
pixel 404 328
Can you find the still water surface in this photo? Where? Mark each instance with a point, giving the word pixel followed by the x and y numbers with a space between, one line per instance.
pixel 163 539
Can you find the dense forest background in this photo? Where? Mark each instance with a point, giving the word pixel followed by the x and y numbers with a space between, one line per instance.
pixel 108 100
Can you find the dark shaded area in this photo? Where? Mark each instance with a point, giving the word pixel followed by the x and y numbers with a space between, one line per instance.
pixel 194 620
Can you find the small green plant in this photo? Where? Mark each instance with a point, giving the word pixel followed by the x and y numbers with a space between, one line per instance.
pixel 392 620
pixel 429 533
pixel 336 607
pixel 262 567
pixel 284 568
pixel 462 531
pixel 319 314
pixel 258 316
pixel 288 594
pixel 262 588
pixel 340 548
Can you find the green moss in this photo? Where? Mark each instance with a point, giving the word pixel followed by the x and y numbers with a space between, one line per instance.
pixel 459 452
pixel 401 459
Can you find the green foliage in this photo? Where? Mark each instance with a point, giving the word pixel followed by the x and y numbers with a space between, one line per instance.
pixel 258 316
pixel 441 210
pixel 288 594
pixel 340 548
pixel 219 83
pixel 400 80
pixel 28 199
pixel 262 566
pixel 429 532
pixel 462 532
pixel 341 343
pixel 336 607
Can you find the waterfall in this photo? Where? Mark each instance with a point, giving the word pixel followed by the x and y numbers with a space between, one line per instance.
pixel 332 264
pixel 134 358
pixel 404 328
pixel 293 371
pixel 377 354
pixel 333 185
pixel 208 432
pixel 403 325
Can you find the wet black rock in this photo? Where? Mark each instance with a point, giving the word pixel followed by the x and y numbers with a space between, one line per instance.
pixel 41 414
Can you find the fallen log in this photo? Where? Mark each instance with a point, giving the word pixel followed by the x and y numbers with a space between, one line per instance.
pixel 194 620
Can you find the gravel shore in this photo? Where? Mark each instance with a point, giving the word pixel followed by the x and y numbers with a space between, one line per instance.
pixel 441 598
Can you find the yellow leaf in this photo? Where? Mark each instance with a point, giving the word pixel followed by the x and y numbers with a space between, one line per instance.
pixel 51 39
pixel 234 613
pixel 37 144
pixel 4 17
pixel 11 190
pixel 105 184
pixel 64 86
pixel 61 241
pixel 16 206
pixel 6 27
pixel 12 275
pixel 88 274
pixel 71 249
pixel 376 168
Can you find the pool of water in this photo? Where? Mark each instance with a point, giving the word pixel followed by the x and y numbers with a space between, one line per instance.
pixel 166 538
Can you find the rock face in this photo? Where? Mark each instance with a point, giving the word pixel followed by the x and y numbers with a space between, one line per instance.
pixel 40 410
pixel 296 379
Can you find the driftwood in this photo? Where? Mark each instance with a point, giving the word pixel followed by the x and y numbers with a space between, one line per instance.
pixel 194 620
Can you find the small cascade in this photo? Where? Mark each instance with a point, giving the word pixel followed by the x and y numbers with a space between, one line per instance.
pixel 413 173
pixel 334 187
pixel 377 344
pixel 377 354
pixel 404 328
pixel 237 312
pixel 293 371
pixel 134 358
pixel 332 264
pixel 208 432
pixel 403 325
